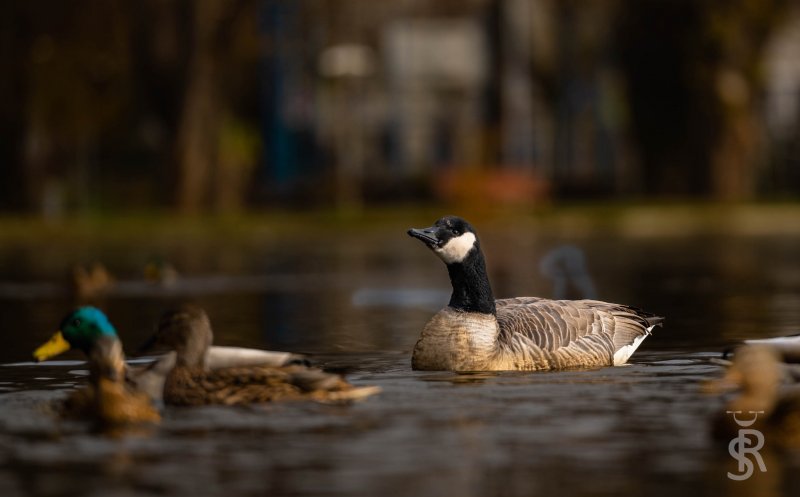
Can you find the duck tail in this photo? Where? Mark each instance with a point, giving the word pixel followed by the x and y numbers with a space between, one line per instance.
pixel 349 395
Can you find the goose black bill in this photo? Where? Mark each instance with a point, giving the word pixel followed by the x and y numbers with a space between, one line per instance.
pixel 427 235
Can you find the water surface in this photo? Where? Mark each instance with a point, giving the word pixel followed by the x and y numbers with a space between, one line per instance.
pixel 357 305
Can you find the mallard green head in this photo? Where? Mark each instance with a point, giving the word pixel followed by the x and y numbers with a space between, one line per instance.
pixel 80 330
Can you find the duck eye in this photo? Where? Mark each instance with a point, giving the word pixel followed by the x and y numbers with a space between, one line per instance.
pixel 456 231
pixel 76 322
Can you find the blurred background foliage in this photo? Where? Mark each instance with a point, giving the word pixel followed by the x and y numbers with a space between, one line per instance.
pixel 224 106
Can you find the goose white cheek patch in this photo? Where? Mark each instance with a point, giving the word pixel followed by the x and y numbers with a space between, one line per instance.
pixel 456 249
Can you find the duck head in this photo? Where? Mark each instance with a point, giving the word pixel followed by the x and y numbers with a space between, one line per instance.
pixel 187 331
pixel 80 329
pixel 451 238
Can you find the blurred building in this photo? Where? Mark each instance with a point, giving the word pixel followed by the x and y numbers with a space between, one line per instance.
pixel 394 94
pixel 219 106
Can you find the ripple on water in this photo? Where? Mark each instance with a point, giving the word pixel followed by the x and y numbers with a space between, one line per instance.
pixel 428 432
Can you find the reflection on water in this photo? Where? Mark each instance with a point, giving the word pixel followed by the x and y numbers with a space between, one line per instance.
pixel 640 429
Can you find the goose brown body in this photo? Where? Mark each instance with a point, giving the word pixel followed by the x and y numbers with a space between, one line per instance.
pixel 477 333
pixel 530 333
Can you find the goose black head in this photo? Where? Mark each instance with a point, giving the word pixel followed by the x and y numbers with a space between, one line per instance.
pixel 451 238
pixel 455 242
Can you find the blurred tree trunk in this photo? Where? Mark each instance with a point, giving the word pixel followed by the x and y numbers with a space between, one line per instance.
pixel 692 68
pixel 15 50
pixel 203 174
pixel 739 29
pixel 198 125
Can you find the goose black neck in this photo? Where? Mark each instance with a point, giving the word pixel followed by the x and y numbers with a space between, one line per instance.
pixel 471 289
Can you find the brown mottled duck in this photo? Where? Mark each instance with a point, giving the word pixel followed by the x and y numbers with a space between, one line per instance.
pixel 187 331
pixel 757 373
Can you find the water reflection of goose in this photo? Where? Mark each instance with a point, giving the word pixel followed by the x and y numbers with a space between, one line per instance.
pixel 757 372
pixel 566 267
pixel 187 331
pixel 475 332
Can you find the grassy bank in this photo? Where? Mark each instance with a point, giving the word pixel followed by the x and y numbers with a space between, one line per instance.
pixel 640 220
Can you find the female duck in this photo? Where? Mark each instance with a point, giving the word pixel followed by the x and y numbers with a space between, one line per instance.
pixel 475 332
pixel 187 331
pixel 758 373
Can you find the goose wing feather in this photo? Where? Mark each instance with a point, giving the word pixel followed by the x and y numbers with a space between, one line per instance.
pixel 556 324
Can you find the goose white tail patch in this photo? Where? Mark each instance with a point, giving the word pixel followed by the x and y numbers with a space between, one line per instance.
pixel 456 249
pixel 624 353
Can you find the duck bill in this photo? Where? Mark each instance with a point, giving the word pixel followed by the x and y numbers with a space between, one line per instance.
pixel 427 235
pixel 730 382
pixel 56 345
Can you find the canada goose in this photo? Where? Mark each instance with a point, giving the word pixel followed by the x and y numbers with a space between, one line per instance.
pixel 475 332
pixel 757 372
pixel 187 331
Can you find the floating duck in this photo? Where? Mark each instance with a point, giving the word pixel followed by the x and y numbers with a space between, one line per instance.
pixel 787 346
pixel 161 272
pixel 114 403
pixel 775 410
pixel 91 282
pixel 187 331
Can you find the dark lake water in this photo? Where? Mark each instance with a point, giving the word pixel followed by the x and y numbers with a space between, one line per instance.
pixel 357 301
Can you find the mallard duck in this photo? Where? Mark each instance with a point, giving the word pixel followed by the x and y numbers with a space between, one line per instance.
pixel 161 272
pixel 187 331
pixel 475 332
pixel 756 371
pixel 90 282
pixel 89 330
